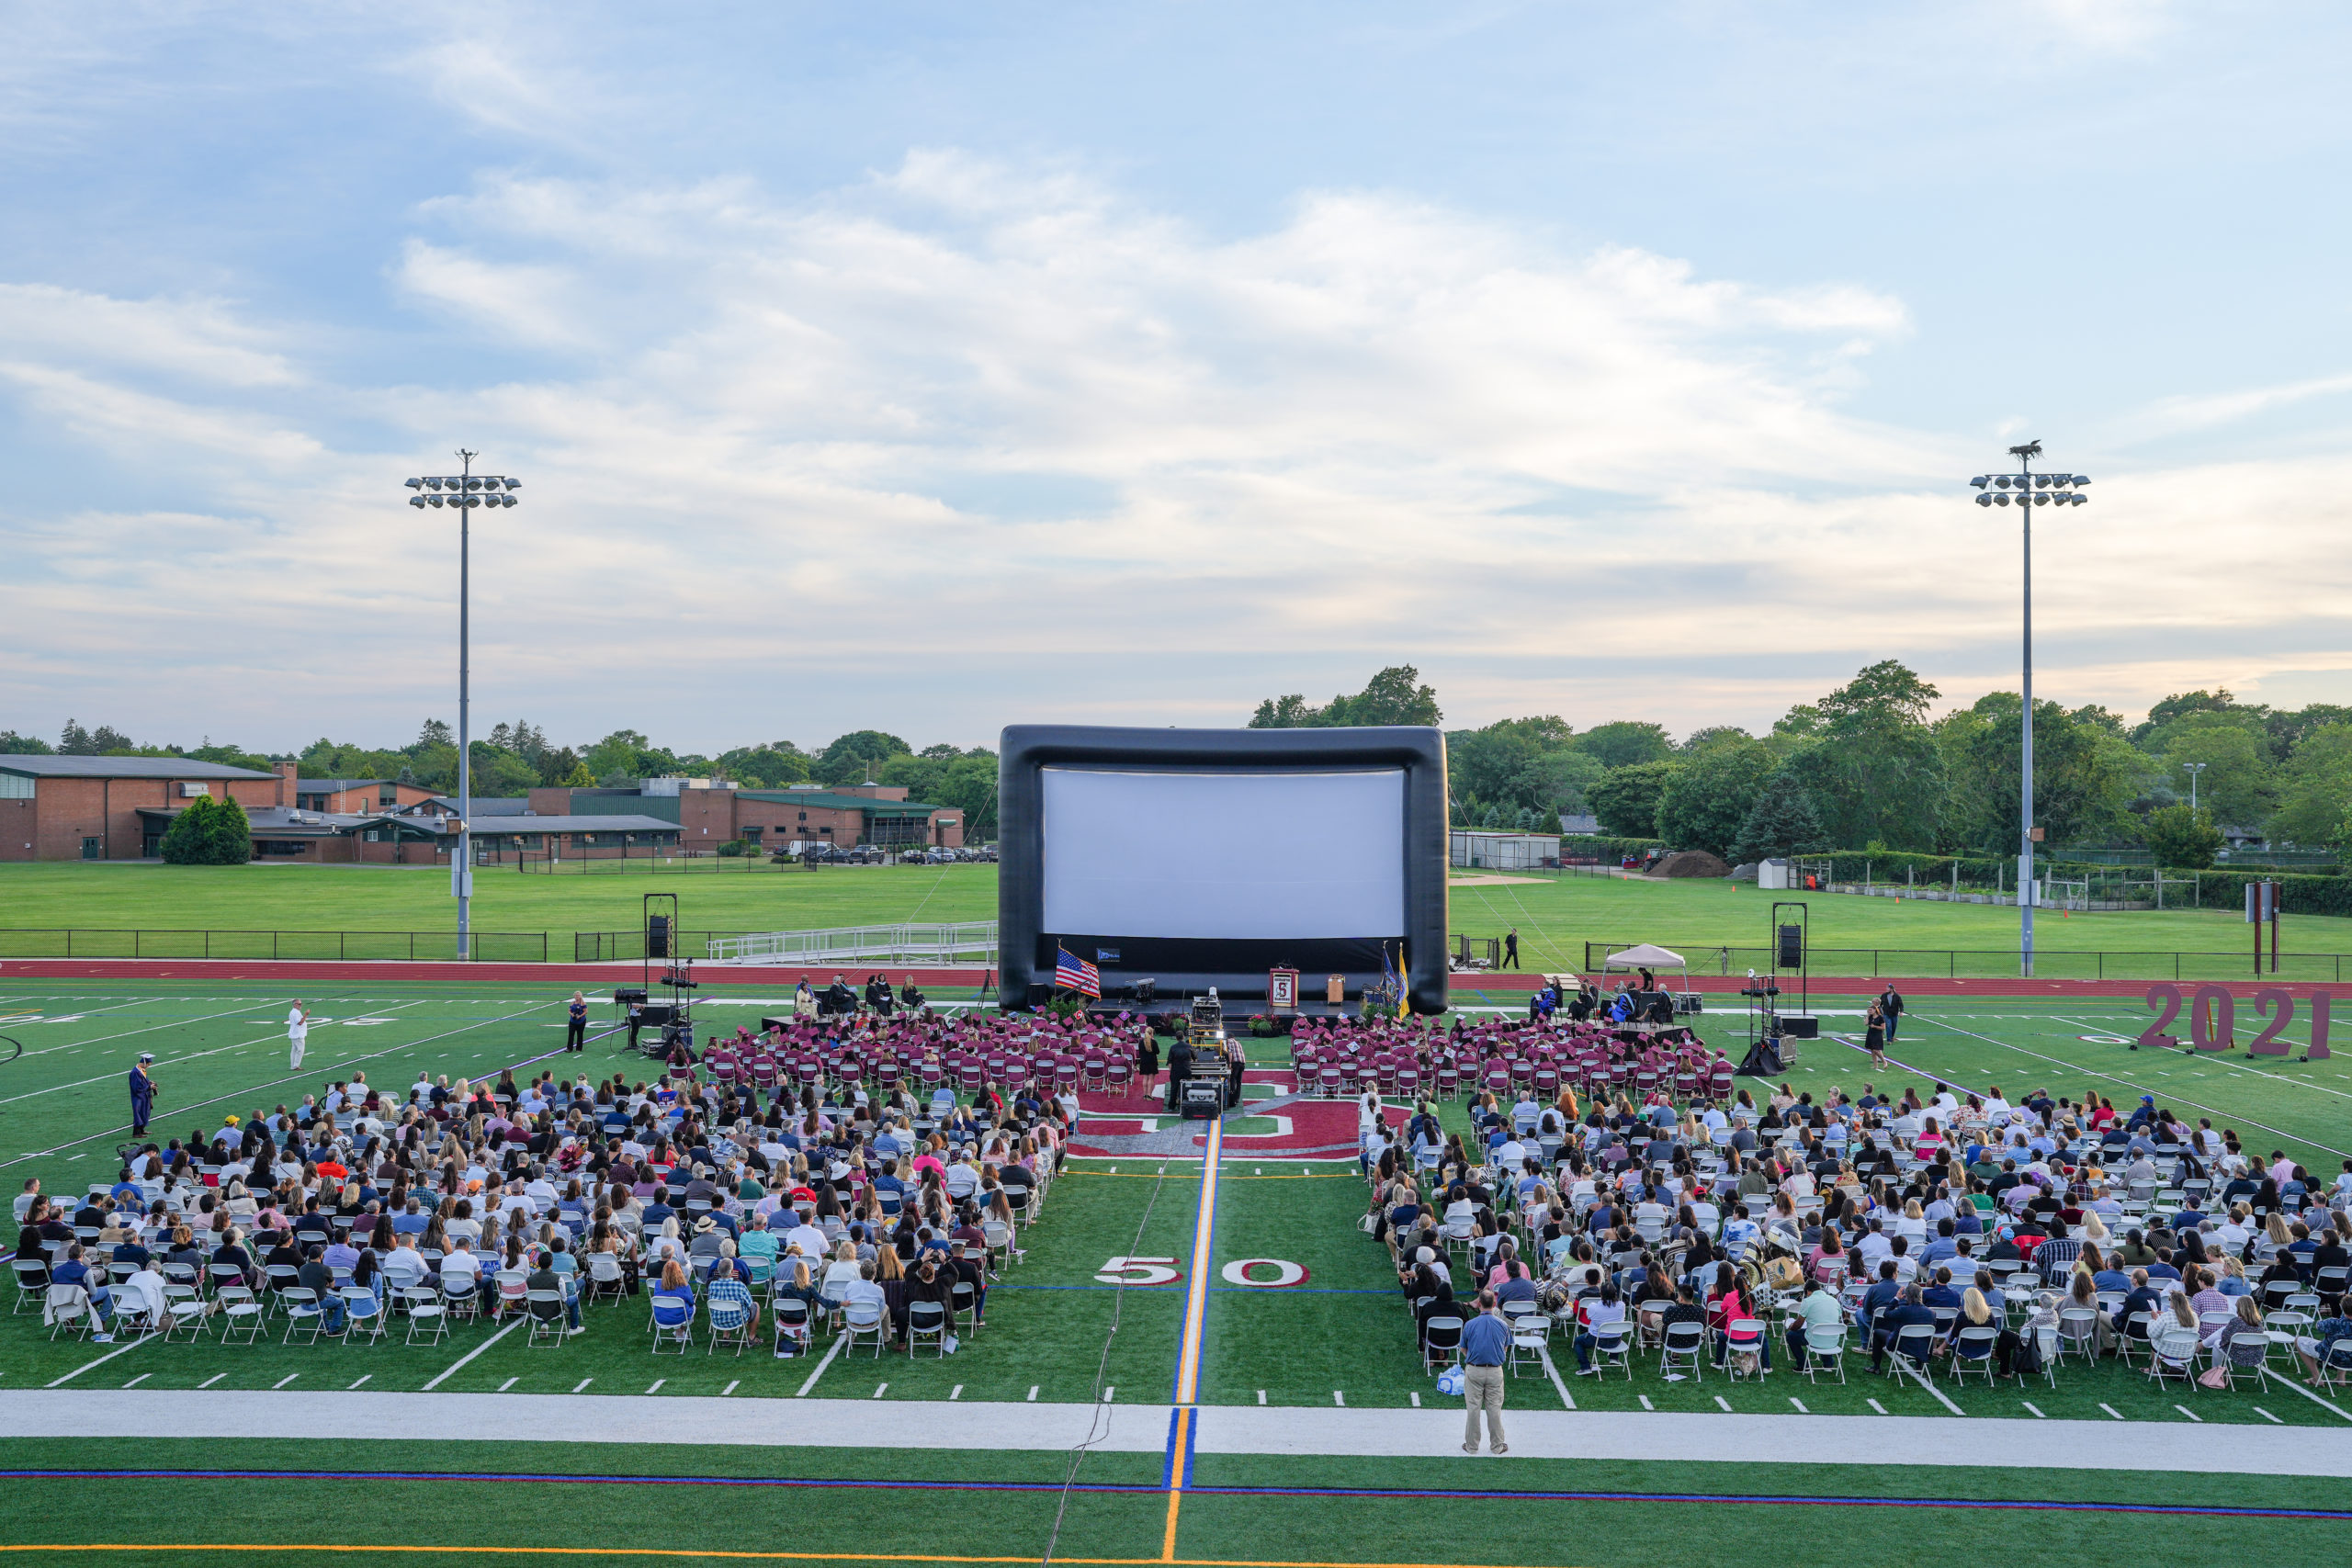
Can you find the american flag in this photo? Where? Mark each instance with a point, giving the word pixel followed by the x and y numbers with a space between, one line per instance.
pixel 1074 974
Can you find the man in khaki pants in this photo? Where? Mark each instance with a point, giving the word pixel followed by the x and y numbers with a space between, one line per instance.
pixel 1486 1345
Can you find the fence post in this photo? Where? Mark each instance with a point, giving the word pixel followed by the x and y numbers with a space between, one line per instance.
pixel 2102 965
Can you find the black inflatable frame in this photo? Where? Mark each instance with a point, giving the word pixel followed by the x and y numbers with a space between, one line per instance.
pixel 1237 969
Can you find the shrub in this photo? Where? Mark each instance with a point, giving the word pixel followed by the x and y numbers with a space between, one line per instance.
pixel 188 840
pixel 229 836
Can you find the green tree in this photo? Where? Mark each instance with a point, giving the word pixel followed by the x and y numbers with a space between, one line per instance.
pixel 969 785
pixel 2085 778
pixel 231 757
pixel 2184 838
pixel 1393 696
pixel 104 741
pixel 2149 734
pixel 1626 743
pixel 1626 798
pixel 498 774
pixel 188 840
pixel 1780 823
pixel 2237 780
pixel 578 778
pixel 14 745
pixel 1874 771
pixel 772 766
pixel 229 838
pixel 850 759
pixel 614 760
pixel 1707 798
pixel 2316 787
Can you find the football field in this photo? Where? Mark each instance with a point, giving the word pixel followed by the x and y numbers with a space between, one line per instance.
pixel 1199 1359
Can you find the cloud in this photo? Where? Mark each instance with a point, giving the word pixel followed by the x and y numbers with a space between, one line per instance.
pixel 966 441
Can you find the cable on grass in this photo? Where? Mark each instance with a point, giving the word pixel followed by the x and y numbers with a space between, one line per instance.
pixel 1099 1426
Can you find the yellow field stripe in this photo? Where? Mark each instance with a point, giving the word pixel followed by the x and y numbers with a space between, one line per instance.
pixel 1196 1301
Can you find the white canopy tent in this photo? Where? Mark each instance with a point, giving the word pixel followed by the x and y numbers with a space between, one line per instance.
pixel 1648 955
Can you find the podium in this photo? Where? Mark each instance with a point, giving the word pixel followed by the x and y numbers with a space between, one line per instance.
pixel 1281 990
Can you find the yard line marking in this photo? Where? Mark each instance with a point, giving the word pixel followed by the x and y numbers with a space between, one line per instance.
pixel 101 1361
pixel 2307 1393
pixel 100 1040
pixel 1196 1293
pixel 1799 1405
pixel 1338 1399
pixel 1033 1387
pixel 956 1393
pixel 1646 1401
pixel 1110 1392
pixel 213 1379
pixel 879 1388
pixel 510 1383
pixel 1724 1402
pixel 2076 1066
pixel 2038 1416
pixel 1874 1405
pixel 2258 1410
pixel 583 1384
pixel 363 1378
pixel 2185 1410
pixel 1928 1383
pixel 1560 1384
pixel 731 1387
pixel 478 1349
pixel 287 1378
pixel 2111 1410
pixel 1261 1397
pixel 139 1379
pixel 657 1385
pixel 1417 1399
pixel 828 1361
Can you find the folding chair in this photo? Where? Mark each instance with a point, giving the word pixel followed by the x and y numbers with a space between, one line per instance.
pixel 2336 1367
pixel 1746 1336
pixel 673 1323
pixel 1613 1345
pixel 1824 1350
pixel 604 1276
pixel 793 1322
pixel 68 1306
pixel 363 1315
pixel 303 1314
pixel 32 1283
pixel 1683 1345
pixel 184 1309
pixel 240 1314
pixel 425 1314
pixel 860 1320
pixel 1531 1340
pixel 460 1296
pixel 2078 1333
pixel 1972 1351
pixel 926 1320
pixel 1914 1341
pixel 1441 1340
pixel 2171 1353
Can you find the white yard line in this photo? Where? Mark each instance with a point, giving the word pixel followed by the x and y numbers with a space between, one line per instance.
pixel 1930 1385
pixel 1559 1383
pixel 828 1361
pixel 470 1355
pixel 2307 1393
pixel 102 1360
pixel 2224 1059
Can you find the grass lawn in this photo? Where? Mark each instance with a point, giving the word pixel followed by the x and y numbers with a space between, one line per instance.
pixel 1555 917
pixel 1339 1337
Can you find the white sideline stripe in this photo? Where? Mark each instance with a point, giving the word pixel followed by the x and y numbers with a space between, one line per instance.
pixel 101 1361
pixel 828 1361
pixel 470 1355
pixel 1662 1436
pixel 2272 1377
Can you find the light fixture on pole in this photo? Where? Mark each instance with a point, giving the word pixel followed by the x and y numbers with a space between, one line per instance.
pixel 2192 769
pixel 463 490
pixel 2025 490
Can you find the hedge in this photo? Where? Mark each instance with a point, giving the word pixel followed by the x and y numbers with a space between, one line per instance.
pixel 1601 847
pixel 2214 889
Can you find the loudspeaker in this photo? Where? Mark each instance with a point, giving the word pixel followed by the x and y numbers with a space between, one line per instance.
pixel 1800 1026
pixel 657 936
pixel 1792 947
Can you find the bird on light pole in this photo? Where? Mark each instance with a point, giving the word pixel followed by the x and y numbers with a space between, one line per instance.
pixel 463 490
pixel 2027 490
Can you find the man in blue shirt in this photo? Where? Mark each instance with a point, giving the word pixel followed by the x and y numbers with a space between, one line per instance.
pixel 1908 1312
pixel 1486 1345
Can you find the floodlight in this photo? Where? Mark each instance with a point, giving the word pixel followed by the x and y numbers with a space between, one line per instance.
pixel 517 484
pixel 1984 501
pixel 417 500
pixel 1980 481
pixel 2001 499
pixel 433 499
pixel 2082 478
pixel 413 484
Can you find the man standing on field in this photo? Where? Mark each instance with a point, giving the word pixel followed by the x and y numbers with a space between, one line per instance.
pixel 298 1035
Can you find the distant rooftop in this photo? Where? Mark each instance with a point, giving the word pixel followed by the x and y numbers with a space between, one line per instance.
pixel 122 768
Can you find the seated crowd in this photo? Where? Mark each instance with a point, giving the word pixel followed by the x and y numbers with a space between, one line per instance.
pixel 853 1201
pixel 1956 1229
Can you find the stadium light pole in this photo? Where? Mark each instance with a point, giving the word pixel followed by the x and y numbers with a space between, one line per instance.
pixel 2192 769
pixel 2025 490
pixel 464 490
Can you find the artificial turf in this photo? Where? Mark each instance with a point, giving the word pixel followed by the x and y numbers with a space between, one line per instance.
pixel 1341 1334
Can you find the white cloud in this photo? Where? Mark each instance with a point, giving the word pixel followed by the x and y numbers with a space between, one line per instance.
pixel 984 443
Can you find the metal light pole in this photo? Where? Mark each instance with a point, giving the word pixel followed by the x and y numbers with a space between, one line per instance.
pixel 2027 490
pixel 2192 769
pixel 464 490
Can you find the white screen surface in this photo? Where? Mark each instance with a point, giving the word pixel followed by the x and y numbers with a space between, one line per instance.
pixel 1224 855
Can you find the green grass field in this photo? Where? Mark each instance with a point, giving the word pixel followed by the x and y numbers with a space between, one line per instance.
pixel 1338 1340
pixel 1555 917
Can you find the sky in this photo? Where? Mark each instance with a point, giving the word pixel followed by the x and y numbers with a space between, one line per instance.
pixel 934 368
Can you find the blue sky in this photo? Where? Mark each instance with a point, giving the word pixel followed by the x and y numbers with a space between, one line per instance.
pixel 937 367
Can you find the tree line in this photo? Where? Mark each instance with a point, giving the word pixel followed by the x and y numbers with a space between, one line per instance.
pixel 1869 766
